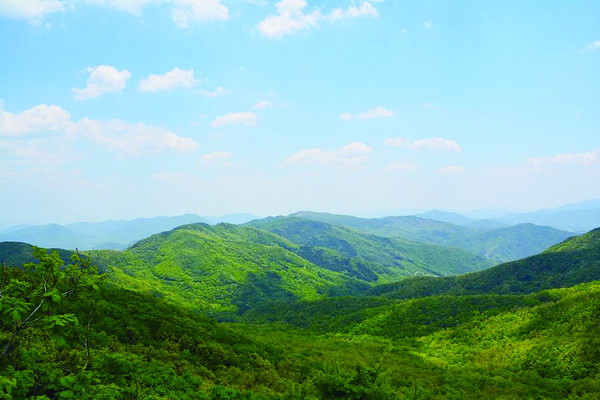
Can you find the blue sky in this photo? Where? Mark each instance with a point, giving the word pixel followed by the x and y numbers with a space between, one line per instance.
pixel 123 109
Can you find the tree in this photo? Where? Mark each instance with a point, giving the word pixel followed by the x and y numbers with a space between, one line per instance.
pixel 31 297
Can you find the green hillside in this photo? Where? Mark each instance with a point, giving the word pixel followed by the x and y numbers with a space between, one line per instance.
pixel 109 342
pixel 222 268
pixel 498 244
pixel 388 258
pixel 571 262
pixel 407 227
pixel 510 243
pixel 229 269
pixel 15 254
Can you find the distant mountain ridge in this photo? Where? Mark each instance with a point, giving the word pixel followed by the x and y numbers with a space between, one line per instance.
pixel 577 217
pixel 497 244
pixel 384 256
pixel 446 216
pixel 111 234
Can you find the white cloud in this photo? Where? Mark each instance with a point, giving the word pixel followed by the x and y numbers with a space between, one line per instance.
pixel 188 11
pixel 32 11
pixel 216 159
pixel 242 118
pixel 39 119
pixel 102 79
pixel 130 6
pixel 352 153
pixel 183 12
pixel 131 139
pixel 170 80
pixel 428 24
pixel 352 12
pixel 263 104
pixel 428 106
pixel 114 135
pixel 593 46
pixel 450 170
pixel 219 90
pixel 377 112
pixel 439 144
pixel 587 159
pixel 400 166
pixel 290 17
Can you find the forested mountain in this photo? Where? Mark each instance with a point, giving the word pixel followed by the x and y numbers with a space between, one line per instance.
pixel 496 244
pixel 222 268
pixel 568 263
pixel 229 268
pixel 393 257
pixel 124 337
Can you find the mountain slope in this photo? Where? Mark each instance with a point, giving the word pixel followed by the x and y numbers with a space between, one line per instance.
pixel 573 261
pixel 222 268
pixel 497 244
pixel 389 258
pixel 510 243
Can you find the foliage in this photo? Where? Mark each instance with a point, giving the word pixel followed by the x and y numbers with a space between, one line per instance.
pixel 369 256
pixel 139 335
pixel 571 262
pixel 497 244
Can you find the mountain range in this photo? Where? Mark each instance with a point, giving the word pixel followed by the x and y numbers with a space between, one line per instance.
pixel 113 234
pixel 497 244
pixel 308 308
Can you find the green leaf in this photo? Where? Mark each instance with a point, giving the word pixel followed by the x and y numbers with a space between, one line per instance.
pixel 67 381
pixel 66 394
pixel 15 315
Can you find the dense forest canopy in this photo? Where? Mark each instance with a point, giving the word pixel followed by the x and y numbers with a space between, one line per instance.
pixel 137 328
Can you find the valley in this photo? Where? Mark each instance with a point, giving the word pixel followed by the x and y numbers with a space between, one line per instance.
pixel 306 306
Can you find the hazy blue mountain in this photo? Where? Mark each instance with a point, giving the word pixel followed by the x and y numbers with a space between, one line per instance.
pixel 446 216
pixel 14 228
pixel 116 235
pixel 129 231
pixel 52 235
pixel 237 219
pixel 583 205
pixel 578 217
pixel 487 224
pixel 573 220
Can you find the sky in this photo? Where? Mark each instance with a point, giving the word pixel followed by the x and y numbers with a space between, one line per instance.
pixel 114 109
